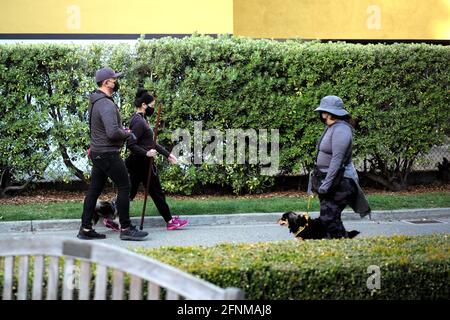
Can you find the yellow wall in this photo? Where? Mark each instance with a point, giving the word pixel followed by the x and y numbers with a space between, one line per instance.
pixel 343 19
pixel 116 16
pixel 308 19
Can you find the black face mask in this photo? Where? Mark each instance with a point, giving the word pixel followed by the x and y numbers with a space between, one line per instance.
pixel 116 86
pixel 322 119
pixel 149 111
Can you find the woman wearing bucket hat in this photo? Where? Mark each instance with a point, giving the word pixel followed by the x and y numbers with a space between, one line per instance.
pixel 334 177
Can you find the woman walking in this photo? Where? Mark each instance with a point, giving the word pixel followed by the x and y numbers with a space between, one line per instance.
pixel 335 178
pixel 139 159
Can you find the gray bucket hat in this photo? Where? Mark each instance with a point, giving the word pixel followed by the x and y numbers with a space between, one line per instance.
pixel 333 105
pixel 106 73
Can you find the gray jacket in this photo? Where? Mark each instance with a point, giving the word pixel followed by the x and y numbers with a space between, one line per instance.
pixel 107 133
pixel 334 151
pixel 334 148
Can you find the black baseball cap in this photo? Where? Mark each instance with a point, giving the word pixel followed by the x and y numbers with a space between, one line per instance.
pixel 106 73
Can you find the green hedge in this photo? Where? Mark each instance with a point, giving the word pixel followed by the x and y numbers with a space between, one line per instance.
pixel 397 93
pixel 410 267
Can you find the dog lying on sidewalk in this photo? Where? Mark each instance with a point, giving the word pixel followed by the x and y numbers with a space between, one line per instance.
pixel 304 227
pixel 107 212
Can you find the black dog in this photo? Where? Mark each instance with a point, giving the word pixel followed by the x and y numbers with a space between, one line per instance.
pixel 106 210
pixel 303 227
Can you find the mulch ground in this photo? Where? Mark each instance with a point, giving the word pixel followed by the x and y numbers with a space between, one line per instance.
pixel 46 196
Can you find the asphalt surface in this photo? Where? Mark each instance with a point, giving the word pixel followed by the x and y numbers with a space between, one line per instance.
pixel 213 230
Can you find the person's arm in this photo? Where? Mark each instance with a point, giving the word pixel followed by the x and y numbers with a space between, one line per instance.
pixel 340 142
pixel 137 128
pixel 162 150
pixel 159 148
pixel 108 115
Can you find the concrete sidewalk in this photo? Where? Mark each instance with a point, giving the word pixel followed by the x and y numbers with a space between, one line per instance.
pixel 228 219
pixel 210 235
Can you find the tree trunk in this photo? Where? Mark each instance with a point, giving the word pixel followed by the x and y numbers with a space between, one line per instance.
pixel 390 184
pixel 3 191
pixel 69 164
pixel 58 118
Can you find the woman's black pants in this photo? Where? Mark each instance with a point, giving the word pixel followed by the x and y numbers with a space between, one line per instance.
pixel 138 168
pixel 331 206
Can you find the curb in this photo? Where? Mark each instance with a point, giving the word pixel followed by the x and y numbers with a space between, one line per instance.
pixel 226 219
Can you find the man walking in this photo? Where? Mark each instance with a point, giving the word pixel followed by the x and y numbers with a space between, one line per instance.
pixel 107 138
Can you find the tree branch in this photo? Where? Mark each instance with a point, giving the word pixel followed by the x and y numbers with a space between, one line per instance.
pixel 1 178
pixel 57 118
pixel 15 188
pixel 391 185
pixel 69 164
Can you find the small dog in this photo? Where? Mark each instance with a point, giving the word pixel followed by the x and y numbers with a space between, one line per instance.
pixel 304 227
pixel 107 211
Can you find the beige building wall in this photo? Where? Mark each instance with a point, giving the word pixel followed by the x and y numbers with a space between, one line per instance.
pixel 343 19
pixel 116 16
pixel 306 19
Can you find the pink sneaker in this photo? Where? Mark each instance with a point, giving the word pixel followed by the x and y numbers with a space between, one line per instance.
pixel 111 224
pixel 176 223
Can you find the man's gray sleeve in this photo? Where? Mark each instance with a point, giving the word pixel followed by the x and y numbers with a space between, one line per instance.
pixel 111 123
pixel 340 142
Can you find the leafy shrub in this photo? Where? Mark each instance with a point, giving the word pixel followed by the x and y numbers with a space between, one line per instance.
pixel 397 94
pixel 410 267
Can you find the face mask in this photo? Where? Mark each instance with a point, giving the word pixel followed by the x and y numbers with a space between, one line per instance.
pixel 116 86
pixel 149 111
pixel 321 119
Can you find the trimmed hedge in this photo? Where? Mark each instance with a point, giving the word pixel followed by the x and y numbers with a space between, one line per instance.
pixel 397 93
pixel 411 267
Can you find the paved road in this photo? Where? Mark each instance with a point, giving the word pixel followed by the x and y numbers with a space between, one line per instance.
pixel 246 233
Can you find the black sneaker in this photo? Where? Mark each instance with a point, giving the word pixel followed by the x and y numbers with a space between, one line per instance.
pixel 132 233
pixel 91 234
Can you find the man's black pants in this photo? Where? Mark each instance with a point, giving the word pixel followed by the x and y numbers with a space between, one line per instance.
pixel 107 165
pixel 138 167
pixel 331 206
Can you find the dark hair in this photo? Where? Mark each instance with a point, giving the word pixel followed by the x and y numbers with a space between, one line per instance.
pixel 99 84
pixel 347 118
pixel 344 118
pixel 142 96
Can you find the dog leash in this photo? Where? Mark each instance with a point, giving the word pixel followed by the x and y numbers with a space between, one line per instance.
pixel 308 207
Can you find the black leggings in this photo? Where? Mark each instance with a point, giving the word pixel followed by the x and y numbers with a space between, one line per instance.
pixel 107 165
pixel 138 170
